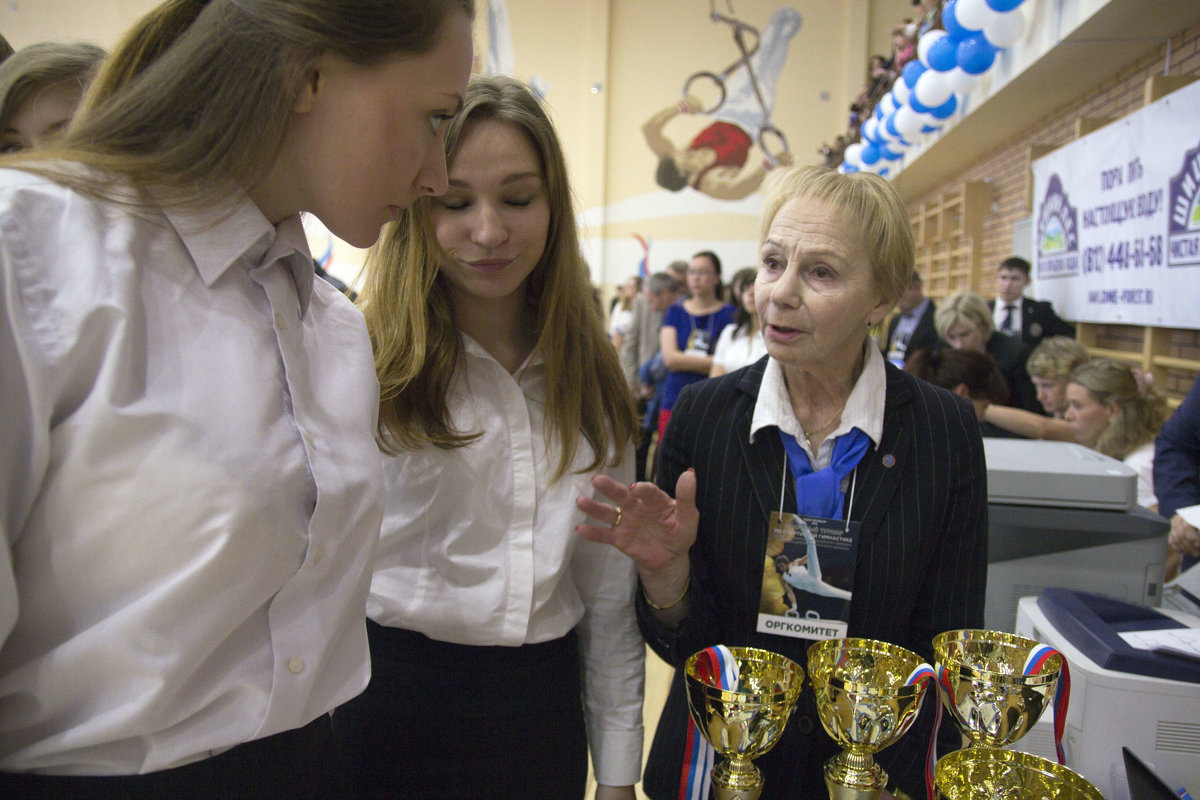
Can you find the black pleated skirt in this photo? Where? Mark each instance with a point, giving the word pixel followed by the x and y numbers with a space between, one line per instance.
pixel 443 720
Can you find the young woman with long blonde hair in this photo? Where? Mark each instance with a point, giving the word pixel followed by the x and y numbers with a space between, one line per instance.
pixel 503 645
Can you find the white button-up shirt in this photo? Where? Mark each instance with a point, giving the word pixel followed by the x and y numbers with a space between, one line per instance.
pixel 190 491
pixel 478 547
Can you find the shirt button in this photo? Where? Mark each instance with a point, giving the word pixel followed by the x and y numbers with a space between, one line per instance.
pixel 318 555
pixel 308 440
pixel 295 665
pixel 279 320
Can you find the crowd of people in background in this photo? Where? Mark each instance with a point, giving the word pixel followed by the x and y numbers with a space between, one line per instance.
pixel 1012 356
pixel 882 72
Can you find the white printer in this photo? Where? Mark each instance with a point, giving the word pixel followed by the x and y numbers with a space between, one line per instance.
pixel 1120 696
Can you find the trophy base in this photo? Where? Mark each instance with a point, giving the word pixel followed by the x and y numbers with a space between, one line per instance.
pixel 853 785
pixel 736 780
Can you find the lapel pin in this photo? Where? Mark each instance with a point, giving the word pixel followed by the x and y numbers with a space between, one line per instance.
pixel 889 461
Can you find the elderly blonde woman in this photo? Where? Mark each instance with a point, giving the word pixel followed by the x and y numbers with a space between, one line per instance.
pixel 826 429
pixel 963 321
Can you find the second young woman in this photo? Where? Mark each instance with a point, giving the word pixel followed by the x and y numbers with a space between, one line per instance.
pixel 489 618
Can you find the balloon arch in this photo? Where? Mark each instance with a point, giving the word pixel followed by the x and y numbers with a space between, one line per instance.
pixel 949 63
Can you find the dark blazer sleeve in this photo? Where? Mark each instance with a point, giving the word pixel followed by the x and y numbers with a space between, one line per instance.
pixel 1039 320
pixel 1177 457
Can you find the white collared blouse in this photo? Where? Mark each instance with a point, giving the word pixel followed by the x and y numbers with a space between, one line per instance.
pixel 189 482
pixel 479 548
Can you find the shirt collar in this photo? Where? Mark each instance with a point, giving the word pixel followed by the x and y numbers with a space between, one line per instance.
pixel 220 237
pixel 918 310
pixel 864 407
pixel 475 350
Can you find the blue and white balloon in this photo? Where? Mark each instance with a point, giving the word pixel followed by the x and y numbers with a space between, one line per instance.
pixel 942 55
pixel 1004 5
pixel 961 82
pixel 951 23
pixel 1006 29
pixel 974 15
pixel 933 89
pixel 976 55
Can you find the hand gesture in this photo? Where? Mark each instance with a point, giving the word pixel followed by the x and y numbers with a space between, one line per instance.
pixel 644 522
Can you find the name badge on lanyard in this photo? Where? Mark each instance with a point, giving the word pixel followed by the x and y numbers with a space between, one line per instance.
pixel 808 576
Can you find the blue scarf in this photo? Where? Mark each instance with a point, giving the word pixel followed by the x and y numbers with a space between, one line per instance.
pixel 819 494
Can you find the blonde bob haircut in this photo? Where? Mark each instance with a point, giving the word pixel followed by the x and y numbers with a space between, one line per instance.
pixel 418 348
pixel 1141 410
pixel 42 65
pixel 866 198
pixel 1055 357
pixel 200 92
pixel 963 308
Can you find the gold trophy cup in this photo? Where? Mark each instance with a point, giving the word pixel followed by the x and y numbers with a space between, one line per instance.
pixel 977 773
pixel 994 703
pixel 865 704
pixel 741 725
pixel 990 699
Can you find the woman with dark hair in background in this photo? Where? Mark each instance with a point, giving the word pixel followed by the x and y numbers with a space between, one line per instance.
pixel 690 329
pixel 965 372
pixel 741 343
pixel 190 489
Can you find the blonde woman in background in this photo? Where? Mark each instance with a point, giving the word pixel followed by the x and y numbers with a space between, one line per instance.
pixel 1049 366
pixel 964 321
pixel 1113 409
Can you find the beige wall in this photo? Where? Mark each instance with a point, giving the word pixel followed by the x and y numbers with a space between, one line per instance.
pixel 608 65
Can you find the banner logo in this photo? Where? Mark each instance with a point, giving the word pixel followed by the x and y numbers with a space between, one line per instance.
pixel 1183 226
pixel 1057 234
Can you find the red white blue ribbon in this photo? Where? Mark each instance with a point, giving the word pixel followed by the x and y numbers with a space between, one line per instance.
pixel 717 667
pixel 923 673
pixel 1062 693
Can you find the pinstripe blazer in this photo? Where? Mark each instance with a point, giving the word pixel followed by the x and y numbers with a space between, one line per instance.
pixel 921 499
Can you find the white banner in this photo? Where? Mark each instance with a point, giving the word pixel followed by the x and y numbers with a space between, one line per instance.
pixel 1116 224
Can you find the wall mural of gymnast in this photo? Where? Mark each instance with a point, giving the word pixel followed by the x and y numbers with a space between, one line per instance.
pixel 739 100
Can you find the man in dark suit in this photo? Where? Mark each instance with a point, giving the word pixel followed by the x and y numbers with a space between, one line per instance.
pixel 921 499
pixel 1016 315
pixel 912 328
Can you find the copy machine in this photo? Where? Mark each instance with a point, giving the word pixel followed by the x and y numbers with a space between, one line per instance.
pixel 1060 514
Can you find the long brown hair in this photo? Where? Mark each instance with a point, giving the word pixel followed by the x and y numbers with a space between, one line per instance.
pixel 418 348
pixel 200 92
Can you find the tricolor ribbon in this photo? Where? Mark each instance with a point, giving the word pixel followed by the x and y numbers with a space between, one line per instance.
pixel 716 667
pixel 1062 693
pixel 923 673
